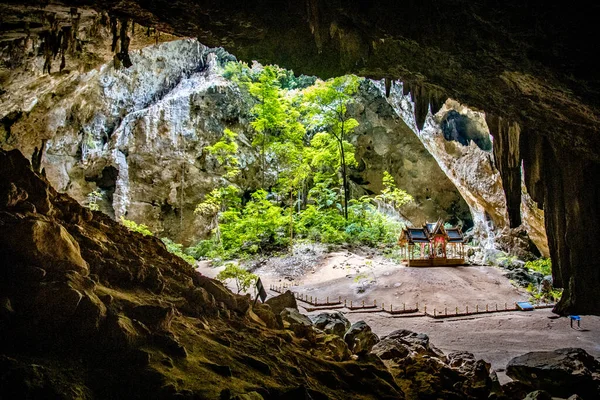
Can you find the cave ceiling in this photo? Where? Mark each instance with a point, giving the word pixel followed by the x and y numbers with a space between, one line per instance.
pixel 520 60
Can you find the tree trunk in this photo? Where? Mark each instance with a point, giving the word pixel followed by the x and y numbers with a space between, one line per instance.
pixel 344 180
pixel 264 145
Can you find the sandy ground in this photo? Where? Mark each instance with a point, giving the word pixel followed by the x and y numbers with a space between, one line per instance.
pixel 358 276
pixel 367 277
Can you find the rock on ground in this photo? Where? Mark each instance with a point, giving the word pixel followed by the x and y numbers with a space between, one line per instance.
pixel 561 372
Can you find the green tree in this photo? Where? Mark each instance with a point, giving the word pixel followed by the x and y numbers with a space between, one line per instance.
pixel 269 112
pixel 243 278
pixel 226 195
pixel 328 103
pixel 391 196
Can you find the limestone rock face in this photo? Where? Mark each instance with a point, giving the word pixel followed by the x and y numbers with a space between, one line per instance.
pixel 385 142
pixel 471 167
pixel 138 135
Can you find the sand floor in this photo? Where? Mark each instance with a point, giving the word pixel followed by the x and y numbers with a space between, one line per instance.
pixel 494 337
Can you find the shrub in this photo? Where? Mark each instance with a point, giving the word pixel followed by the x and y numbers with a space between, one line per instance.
pixel 93 198
pixel 132 226
pixel 243 278
pixel 260 226
pixel 177 249
pixel 542 265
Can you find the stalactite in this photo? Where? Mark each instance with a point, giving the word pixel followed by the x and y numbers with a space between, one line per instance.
pixel 37 156
pixel 507 157
pixel 437 100
pixel 114 29
pixel 421 100
pixel 388 86
pixel 313 23
pixel 124 53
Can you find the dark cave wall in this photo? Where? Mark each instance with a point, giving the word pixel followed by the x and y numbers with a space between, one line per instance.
pixel 566 185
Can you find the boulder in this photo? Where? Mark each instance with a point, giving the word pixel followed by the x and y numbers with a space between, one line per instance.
pixel 515 390
pixel 388 349
pixel 477 372
pixel 360 339
pixel 41 243
pixel 415 343
pixel 299 323
pixel 561 372
pixel 263 311
pixel 285 300
pixel 337 348
pixel 218 291
pixel 333 323
pixel 523 277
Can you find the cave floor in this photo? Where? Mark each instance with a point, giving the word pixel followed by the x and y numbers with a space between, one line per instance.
pixel 495 338
pixel 366 276
pixel 363 275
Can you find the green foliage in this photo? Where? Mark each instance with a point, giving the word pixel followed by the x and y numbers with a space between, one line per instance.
pixel 225 151
pixel 218 200
pixel 260 226
pixel 132 226
pixel 542 292
pixel 301 129
pixel 93 198
pixel 206 249
pixel 365 225
pixel 177 249
pixel 391 195
pixel 327 105
pixel 551 295
pixel 240 72
pixel 243 279
pixel 543 265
